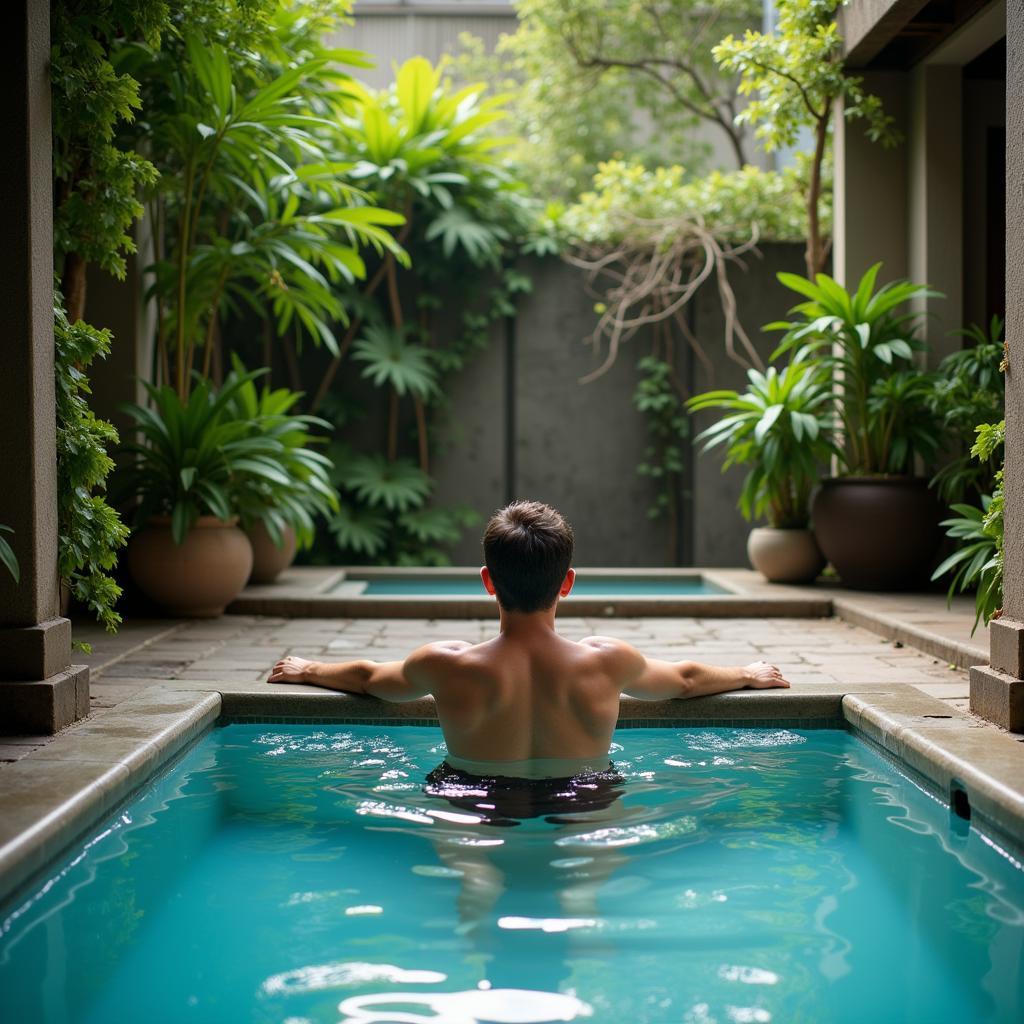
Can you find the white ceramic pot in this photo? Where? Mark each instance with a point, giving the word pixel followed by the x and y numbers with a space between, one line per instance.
pixel 785 556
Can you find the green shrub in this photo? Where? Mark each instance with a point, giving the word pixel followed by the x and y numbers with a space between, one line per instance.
pixel 89 530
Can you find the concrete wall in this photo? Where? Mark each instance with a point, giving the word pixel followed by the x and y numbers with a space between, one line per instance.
pixel 521 425
pixel 392 35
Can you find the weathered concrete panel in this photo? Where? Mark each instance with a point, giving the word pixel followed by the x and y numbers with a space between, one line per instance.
pixel 470 467
pixel 577 446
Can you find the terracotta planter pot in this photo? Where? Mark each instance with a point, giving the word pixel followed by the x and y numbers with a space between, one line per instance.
pixel 880 533
pixel 194 579
pixel 785 556
pixel 269 560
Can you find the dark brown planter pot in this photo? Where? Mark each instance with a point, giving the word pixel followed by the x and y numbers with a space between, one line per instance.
pixel 197 578
pixel 880 533
pixel 269 560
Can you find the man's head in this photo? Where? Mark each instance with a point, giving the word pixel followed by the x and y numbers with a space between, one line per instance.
pixel 527 551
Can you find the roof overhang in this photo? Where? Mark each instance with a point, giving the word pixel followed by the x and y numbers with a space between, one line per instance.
pixel 897 34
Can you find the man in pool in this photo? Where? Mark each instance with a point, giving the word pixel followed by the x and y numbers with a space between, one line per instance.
pixel 527 704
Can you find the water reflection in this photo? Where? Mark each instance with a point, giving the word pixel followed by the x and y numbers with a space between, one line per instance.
pixel 496 1006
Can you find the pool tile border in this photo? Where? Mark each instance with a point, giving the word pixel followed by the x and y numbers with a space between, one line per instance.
pixel 55 795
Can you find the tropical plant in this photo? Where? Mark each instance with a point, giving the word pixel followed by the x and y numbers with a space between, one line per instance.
pixel 979 531
pixel 782 427
pixel 795 75
pixel 89 530
pixel 8 558
pixel 195 458
pixel 866 340
pixel 969 389
pixel 303 490
pixel 250 212
pixel 425 150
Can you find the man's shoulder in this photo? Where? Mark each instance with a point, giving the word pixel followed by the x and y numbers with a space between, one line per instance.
pixel 611 649
pixel 438 656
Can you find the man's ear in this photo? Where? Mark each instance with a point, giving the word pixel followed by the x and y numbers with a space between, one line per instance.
pixel 570 579
pixel 485 575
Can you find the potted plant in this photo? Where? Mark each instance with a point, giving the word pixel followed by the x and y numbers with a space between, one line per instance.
pixel 188 469
pixel 277 511
pixel 877 522
pixel 781 427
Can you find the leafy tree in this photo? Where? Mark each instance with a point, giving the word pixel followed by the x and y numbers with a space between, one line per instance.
pixel 590 77
pixel 795 77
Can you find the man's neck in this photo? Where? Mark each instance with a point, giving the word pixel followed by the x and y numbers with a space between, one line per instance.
pixel 521 625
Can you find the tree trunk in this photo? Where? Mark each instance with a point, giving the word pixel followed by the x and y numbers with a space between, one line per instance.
pixel 815 255
pixel 72 284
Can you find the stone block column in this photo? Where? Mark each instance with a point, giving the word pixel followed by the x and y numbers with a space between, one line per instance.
pixel 40 691
pixel 997 690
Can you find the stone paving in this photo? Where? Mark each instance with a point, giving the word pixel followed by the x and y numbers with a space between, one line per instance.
pixel 238 649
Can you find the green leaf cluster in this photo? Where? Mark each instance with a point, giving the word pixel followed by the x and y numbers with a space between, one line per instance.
pixel 627 198
pixel 969 389
pixel 385 515
pixel 782 427
pixel 979 530
pixel 656 398
pixel 89 530
pixel 866 340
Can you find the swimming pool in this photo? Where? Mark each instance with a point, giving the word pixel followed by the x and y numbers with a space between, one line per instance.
pixel 299 873
pixel 587 585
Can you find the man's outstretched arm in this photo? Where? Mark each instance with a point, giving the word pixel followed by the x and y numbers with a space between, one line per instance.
pixel 665 679
pixel 651 679
pixel 394 681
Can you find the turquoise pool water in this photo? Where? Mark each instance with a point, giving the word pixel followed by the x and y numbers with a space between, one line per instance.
pixel 585 586
pixel 295 874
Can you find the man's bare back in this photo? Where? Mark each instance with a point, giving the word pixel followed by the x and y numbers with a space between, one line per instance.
pixel 528 698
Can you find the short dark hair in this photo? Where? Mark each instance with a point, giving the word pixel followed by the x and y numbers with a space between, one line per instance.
pixel 528 550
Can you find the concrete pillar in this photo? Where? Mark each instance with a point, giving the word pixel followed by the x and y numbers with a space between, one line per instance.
pixel 40 691
pixel 935 202
pixel 997 691
pixel 871 216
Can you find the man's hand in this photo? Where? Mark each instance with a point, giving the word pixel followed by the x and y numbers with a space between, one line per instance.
pixel 762 676
pixel 291 670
